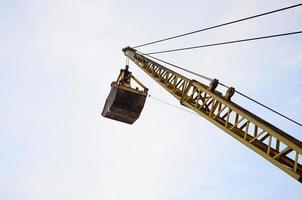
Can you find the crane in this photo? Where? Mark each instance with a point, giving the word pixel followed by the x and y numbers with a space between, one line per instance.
pixel 125 104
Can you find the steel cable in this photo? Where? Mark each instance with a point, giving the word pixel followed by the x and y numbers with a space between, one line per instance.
pixel 238 92
pixel 169 104
pixel 224 43
pixel 220 25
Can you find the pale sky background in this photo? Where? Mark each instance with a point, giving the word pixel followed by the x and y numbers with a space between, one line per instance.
pixel 57 60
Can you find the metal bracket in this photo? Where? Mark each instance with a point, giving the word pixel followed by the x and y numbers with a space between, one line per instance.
pixel 213 85
pixel 229 93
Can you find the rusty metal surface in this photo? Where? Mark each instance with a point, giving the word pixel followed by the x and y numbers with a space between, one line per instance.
pixel 124 105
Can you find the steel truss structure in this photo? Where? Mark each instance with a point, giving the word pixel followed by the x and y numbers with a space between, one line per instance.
pixel 278 147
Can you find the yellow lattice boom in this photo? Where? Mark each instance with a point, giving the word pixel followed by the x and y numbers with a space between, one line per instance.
pixel 270 142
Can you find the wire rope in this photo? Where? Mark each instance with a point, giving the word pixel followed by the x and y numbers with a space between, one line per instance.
pixel 224 43
pixel 178 67
pixel 238 92
pixel 171 105
pixel 220 25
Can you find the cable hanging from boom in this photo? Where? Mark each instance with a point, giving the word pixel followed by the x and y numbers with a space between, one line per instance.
pixel 224 43
pixel 220 25
pixel 238 92
pixel 171 105
pixel 178 67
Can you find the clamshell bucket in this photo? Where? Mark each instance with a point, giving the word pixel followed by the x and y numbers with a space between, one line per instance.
pixel 125 103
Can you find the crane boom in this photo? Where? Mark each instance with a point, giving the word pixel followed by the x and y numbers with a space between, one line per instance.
pixel 278 147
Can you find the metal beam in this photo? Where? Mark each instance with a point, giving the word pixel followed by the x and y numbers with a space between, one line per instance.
pixel 241 124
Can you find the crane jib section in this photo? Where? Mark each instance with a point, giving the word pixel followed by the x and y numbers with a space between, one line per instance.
pixel 278 147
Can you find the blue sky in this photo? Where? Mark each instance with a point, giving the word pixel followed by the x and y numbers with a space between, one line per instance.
pixel 57 60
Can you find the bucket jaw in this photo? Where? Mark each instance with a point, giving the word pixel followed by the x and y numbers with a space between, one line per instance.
pixel 125 103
